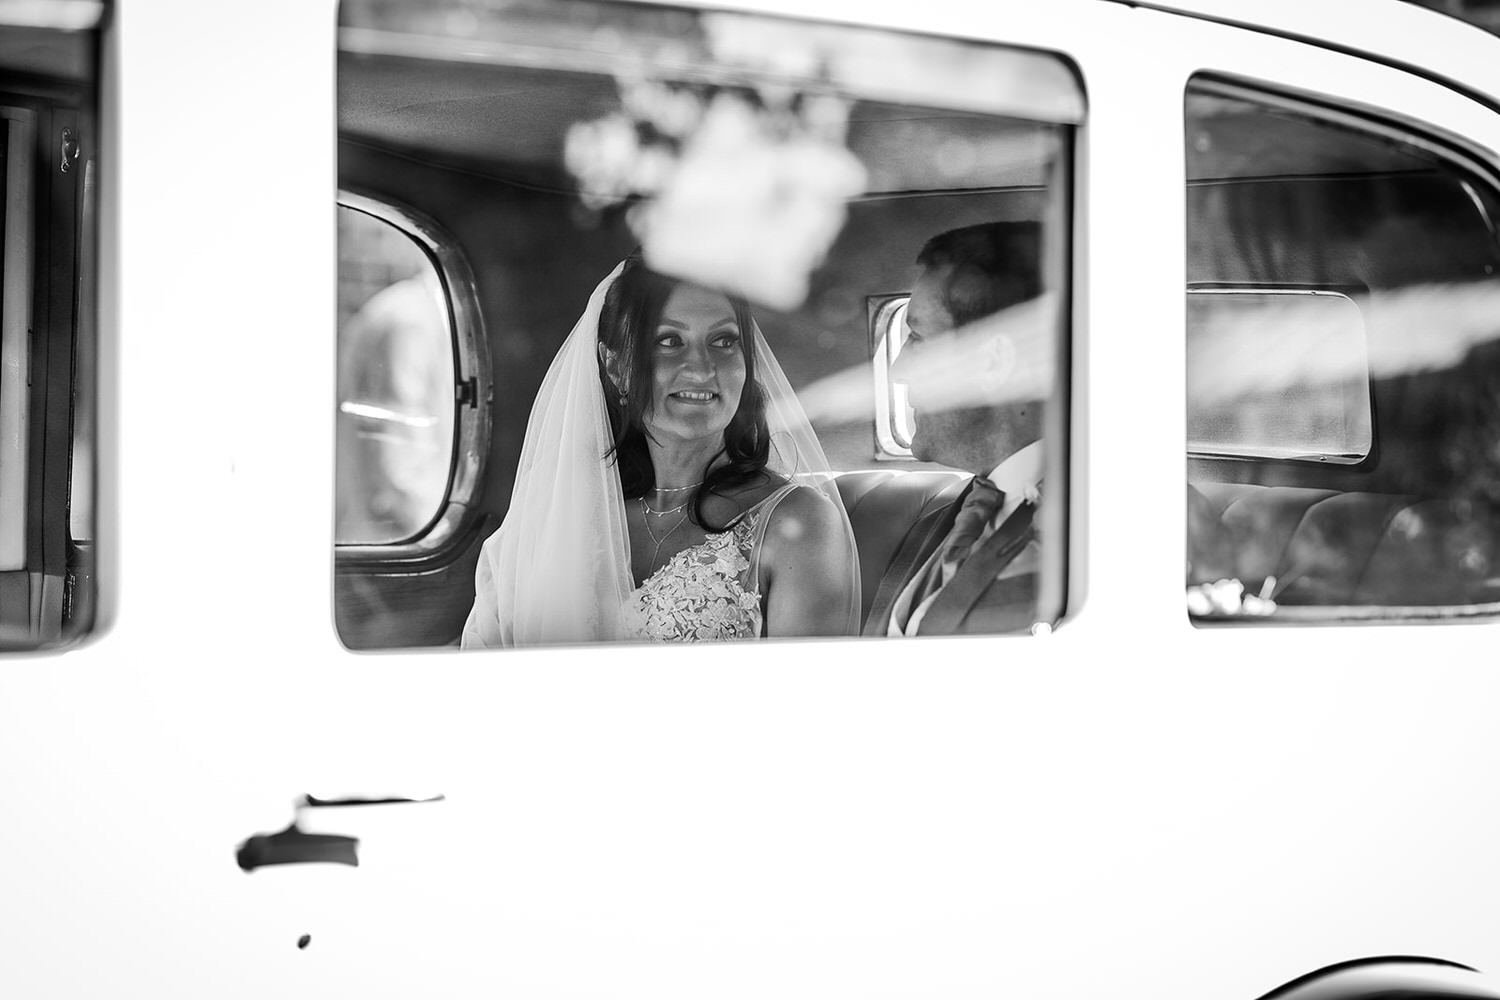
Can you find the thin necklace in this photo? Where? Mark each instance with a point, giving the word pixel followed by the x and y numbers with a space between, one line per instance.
pixel 676 489
pixel 647 525
pixel 663 513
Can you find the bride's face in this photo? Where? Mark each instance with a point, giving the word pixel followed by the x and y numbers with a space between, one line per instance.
pixel 697 365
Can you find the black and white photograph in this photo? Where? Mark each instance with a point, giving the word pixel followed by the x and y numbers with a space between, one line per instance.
pixel 670 499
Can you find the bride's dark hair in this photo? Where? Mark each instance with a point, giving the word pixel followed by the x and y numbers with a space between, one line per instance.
pixel 631 313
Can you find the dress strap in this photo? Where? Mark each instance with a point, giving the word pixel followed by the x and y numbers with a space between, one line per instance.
pixel 762 512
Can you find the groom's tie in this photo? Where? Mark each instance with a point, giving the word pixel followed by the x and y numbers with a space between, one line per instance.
pixel 977 510
pixel 974 515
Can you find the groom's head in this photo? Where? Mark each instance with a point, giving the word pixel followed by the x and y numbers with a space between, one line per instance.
pixel 971 412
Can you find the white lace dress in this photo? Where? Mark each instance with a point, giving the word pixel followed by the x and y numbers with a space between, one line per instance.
pixel 709 591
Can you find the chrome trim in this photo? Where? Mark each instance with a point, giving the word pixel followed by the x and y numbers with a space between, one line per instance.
pixel 471 359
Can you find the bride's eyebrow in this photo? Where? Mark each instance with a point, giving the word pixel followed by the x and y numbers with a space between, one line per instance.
pixel 714 326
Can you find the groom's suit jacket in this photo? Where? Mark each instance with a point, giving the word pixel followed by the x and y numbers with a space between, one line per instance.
pixel 993 591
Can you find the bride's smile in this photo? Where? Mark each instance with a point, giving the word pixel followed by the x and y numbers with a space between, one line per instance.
pixel 694 396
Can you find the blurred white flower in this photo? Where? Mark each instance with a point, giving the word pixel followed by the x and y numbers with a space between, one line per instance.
pixel 746 211
pixel 603 155
pixel 1227 597
pixel 738 195
pixel 670 110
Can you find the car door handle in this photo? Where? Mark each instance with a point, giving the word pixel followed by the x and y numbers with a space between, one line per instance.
pixel 293 845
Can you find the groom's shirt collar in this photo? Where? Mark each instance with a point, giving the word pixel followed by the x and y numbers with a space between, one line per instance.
pixel 1020 477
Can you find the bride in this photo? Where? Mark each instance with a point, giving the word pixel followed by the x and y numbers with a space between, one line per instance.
pixel 670 486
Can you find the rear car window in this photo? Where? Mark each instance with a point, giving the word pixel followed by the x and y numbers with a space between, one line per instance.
pixel 1343 365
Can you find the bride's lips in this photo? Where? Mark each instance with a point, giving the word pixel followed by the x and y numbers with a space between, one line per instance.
pixel 696 397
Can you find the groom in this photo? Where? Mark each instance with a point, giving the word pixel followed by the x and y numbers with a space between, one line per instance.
pixel 971 567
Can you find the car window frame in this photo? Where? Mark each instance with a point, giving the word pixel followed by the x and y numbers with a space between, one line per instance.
pixel 1470 161
pixel 472 386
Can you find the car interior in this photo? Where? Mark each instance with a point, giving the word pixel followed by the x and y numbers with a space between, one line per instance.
pixel 476 149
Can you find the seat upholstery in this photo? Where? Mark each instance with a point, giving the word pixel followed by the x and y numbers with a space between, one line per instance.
pixel 1325 547
pixel 883 507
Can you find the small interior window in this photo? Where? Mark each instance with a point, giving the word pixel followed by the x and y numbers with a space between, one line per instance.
pixel 396 382
pixel 1277 373
pixel 893 416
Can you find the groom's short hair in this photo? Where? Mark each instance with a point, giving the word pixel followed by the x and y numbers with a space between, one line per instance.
pixel 995 265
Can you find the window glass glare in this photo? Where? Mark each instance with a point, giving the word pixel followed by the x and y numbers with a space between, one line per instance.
pixel 395 384
pixel 1343 367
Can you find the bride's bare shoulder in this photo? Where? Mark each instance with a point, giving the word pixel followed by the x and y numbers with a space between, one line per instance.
pixel 805 515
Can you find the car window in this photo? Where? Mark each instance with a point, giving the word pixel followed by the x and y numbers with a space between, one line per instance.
pixel 1342 365
pixel 396 379
pixel 49 329
pixel 801 167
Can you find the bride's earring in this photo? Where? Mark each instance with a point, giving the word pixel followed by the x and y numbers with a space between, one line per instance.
pixel 616 378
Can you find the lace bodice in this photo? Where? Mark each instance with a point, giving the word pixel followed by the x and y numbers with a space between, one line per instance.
pixel 709 591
